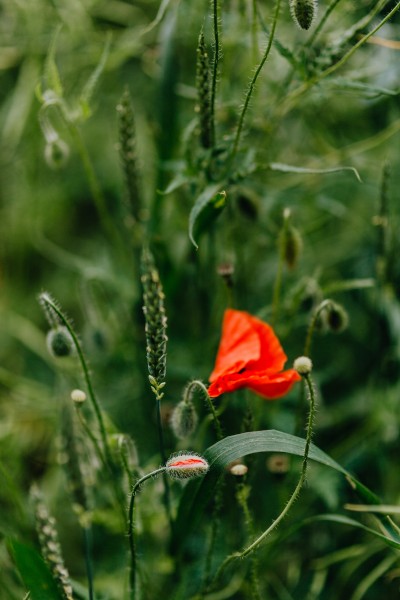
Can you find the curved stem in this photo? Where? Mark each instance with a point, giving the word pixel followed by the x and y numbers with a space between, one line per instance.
pixel 293 497
pixel 311 328
pixel 132 575
pixel 253 82
pixel 86 374
pixel 210 405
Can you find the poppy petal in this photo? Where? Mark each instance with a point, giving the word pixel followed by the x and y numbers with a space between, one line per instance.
pixel 240 344
pixel 268 386
pixel 278 385
pixel 272 358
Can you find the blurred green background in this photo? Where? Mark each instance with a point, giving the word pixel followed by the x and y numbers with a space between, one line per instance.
pixel 85 53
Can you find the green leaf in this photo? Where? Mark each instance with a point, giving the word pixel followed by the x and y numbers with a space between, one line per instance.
pixel 347 521
pixel 34 572
pixel 206 209
pixel 292 169
pixel 372 91
pixel 90 85
pixel 198 493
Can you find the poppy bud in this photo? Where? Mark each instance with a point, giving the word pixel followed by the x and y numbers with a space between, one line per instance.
pixel 226 270
pixel 303 365
pixel 303 12
pixel 184 419
pixel 336 317
pixel 290 242
pixel 78 396
pixel 238 470
pixel 184 466
pixel 56 153
pixel 59 342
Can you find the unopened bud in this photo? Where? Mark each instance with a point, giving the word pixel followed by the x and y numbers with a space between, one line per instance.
pixel 78 396
pixel 238 470
pixel 56 153
pixel 303 12
pixel 290 241
pixel 184 466
pixel 59 342
pixel 184 419
pixel 336 317
pixel 303 365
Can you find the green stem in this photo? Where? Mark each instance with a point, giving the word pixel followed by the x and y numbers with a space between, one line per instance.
pixel 293 497
pixel 215 68
pixel 311 328
pixel 253 82
pixel 167 500
pixel 322 22
pixel 277 290
pixel 210 405
pixel 91 435
pixel 87 533
pixel 241 496
pixel 86 374
pixel 132 547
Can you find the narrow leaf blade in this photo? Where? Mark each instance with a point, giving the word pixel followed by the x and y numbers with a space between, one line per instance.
pixel 207 208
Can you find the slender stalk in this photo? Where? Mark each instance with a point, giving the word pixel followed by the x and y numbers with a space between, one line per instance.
pixel 277 290
pixel 87 534
pixel 311 328
pixel 217 51
pixel 210 405
pixel 86 373
pixel 91 435
pixel 293 497
pixel 131 537
pixel 47 300
pixel 322 22
pixel 253 82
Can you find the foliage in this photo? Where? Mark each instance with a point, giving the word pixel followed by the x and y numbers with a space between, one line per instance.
pixel 251 164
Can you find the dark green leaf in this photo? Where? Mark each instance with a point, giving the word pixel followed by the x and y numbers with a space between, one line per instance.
pixel 34 572
pixel 347 521
pixel 293 169
pixel 198 494
pixel 206 209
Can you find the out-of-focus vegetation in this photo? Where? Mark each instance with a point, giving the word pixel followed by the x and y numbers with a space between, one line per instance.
pixel 104 149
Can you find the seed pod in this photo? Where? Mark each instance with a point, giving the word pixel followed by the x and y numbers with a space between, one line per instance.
pixel 303 12
pixel 59 342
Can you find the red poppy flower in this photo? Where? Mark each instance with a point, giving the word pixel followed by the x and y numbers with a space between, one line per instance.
pixel 250 355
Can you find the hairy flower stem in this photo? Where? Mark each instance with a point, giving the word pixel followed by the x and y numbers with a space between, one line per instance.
pixel 210 405
pixel 47 301
pixel 242 493
pixel 236 141
pixel 131 537
pixel 293 497
pixel 217 52
pixel 313 323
